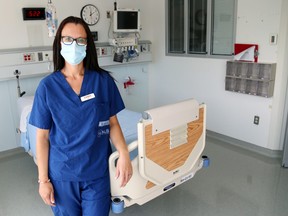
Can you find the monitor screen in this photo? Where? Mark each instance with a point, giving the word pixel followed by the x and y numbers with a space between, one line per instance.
pixel 126 21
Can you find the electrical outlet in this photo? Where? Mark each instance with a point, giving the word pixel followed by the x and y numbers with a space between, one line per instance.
pixel 256 120
pixel 273 39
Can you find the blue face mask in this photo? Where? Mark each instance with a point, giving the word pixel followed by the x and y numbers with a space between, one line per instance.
pixel 73 53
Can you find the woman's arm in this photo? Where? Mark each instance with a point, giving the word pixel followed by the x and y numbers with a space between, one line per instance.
pixel 42 154
pixel 124 167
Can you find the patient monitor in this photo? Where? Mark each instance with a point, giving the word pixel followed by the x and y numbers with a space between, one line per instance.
pixel 170 143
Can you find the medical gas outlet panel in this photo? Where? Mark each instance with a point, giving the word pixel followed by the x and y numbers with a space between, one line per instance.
pixel 29 62
pixel 37 57
pixel 123 42
pixel 38 61
pixel 106 53
pixel 107 50
pixel 24 57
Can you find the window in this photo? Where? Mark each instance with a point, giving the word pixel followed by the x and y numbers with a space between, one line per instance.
pixel 200 27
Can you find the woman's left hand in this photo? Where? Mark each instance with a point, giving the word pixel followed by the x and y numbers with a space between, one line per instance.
pixel 124 169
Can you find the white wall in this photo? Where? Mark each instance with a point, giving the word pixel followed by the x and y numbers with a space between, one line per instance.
pixel 135 96
pixel 174 78
pixel 18 33
pixel 231 114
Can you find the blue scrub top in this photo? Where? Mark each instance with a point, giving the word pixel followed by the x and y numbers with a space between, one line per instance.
pixel 79 131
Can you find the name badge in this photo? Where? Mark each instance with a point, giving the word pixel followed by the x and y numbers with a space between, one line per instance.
pixel 87 97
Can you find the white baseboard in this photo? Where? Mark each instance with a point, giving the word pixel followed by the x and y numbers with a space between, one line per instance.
pixel 245 145
pixel 11 152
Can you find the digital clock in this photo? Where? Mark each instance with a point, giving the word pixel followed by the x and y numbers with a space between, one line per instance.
pixel 36 13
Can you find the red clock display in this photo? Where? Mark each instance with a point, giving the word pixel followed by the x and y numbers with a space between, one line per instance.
pixel 33 13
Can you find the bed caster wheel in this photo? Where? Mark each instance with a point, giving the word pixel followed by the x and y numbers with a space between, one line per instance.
pixel 117 205
pixel 206 161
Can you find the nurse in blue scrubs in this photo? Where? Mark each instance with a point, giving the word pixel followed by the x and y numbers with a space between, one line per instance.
pixel 75 111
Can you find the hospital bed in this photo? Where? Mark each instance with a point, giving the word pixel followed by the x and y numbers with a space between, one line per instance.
pixel 170 143
pixel 165 146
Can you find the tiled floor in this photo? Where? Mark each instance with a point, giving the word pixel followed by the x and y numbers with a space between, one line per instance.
pixel 238 183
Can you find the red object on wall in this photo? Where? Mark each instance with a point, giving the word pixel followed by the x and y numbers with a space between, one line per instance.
pixel 128 83
pixel 238 48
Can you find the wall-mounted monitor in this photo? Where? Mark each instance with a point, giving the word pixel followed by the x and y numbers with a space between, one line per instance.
pixel 126 20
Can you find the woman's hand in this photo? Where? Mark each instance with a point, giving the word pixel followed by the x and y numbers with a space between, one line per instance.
pixel 124 169
pixel 46 192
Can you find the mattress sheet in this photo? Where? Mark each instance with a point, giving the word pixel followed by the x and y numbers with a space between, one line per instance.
pixel 128 121
pixel 24 105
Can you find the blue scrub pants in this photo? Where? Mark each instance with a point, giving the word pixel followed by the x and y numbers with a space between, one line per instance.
pixel 91 198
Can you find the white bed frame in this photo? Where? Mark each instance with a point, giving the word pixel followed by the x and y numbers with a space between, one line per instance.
pixel 170 144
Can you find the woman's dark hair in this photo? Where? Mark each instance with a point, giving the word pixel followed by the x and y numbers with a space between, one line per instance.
pixel 90 61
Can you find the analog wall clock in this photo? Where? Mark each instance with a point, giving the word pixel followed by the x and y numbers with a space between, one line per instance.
pixel 90 14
